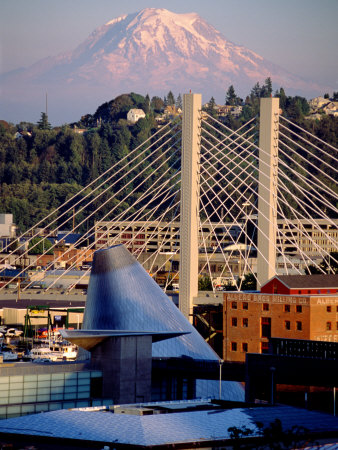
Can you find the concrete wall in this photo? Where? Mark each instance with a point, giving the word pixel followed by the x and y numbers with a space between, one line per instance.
pixel 125 363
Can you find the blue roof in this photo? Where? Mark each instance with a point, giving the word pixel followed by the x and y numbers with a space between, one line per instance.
pixel 12 273
pixel 72 238
pixel 121 295
pixel 163 429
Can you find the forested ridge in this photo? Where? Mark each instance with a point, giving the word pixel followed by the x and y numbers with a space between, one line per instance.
pixel 42 167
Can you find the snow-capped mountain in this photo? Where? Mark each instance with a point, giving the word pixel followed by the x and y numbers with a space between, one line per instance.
pixel 152 52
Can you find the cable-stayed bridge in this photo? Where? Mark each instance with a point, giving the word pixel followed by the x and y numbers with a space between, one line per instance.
pixel 200 199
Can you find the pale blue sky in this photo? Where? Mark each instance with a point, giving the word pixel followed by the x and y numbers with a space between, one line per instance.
pixel 299 35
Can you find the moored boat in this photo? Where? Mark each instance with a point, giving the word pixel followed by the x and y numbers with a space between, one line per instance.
pixel 39 353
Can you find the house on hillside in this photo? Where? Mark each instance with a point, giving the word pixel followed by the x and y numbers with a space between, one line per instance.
pixel 135 114
pixel 318 102
pixel 331 109
pixel 170 111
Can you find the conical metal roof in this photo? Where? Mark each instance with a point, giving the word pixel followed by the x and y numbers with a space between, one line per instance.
pixel 122 296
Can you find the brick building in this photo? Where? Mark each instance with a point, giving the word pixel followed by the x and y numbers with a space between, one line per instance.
pixel 294 307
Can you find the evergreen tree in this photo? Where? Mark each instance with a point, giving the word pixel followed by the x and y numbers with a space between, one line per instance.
pixel 256 91
pixel 179 101
pixel 266 90
pixel 146 104
pixel 282 98
pixel 211 107
pixel 157 104
pixel 43 123
pixel 231 97
pixel 170 98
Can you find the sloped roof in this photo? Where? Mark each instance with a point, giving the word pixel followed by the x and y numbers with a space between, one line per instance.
pixel 70 238
pixel 121 295
pixel 163 429
pixel 137 111
pixel 309 281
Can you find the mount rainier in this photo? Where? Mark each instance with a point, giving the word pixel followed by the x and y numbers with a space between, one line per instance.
pixel 152 51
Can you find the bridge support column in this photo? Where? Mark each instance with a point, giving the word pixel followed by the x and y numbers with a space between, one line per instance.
pixel 188 282
pixel 267 190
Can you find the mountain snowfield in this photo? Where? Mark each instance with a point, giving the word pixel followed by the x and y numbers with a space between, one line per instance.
pixel 152 51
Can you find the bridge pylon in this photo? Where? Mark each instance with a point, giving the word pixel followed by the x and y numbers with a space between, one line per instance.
pixel 267 190
pixel 190 195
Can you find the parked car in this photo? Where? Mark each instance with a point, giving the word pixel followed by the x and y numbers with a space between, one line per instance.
pixel 13 332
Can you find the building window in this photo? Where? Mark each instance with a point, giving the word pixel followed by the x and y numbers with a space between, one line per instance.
pixel 264 347
pixel 244 347
pixel 299 308
pixel 245 305
pixel 328 309
pixel 266 306
pixel 266 327
pixel 287 325
pixel 245 322
pixel 328 326
pixel 234 321
pixel 234 346
pixel 287 308
pixel 234 305
pixel 299 292
pixel 336 325
pixel 299 326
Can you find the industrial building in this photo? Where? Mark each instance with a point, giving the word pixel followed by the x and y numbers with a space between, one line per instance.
pixel 291 307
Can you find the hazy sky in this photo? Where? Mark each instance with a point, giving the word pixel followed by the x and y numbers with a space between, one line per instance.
pixel 299 35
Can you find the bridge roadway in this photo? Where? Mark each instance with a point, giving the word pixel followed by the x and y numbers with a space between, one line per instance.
pixel 56 297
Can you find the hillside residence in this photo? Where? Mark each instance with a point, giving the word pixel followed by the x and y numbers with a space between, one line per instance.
pixel 320 105
pixel 134 115
pixel 171 111
pixel 318 102
pixel 331 109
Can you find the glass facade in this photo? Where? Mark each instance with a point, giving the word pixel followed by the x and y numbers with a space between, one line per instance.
pixel 32 393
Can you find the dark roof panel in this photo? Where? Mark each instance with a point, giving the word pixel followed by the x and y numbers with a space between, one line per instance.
pixel 309 281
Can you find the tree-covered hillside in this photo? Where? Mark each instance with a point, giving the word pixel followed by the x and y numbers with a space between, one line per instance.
pixel 41 167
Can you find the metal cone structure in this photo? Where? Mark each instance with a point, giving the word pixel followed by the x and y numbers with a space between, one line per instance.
pixel 122 296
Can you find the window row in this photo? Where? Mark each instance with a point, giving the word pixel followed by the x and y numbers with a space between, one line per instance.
pixel 266 307
pixel 245 305
pixel 299 325
pixel 287 308
pixel 331 309
pixel 329 326
pixel 244 349
pixel 245 322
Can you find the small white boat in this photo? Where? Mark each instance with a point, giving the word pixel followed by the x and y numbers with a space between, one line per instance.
pixel 39 353
pixel 8 355
pixel 65 350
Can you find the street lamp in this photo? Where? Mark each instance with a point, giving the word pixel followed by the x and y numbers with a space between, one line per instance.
pixel 220 378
